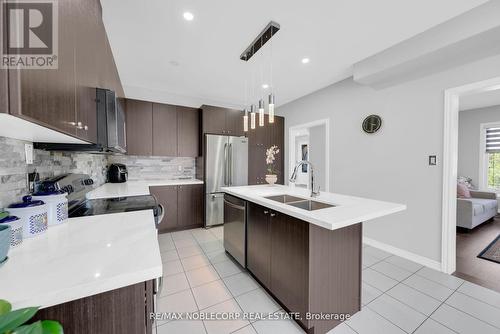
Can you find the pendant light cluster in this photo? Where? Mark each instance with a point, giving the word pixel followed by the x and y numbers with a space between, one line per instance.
pixel 271 29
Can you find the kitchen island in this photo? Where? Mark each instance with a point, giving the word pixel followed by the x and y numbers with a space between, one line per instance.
pixel 306 252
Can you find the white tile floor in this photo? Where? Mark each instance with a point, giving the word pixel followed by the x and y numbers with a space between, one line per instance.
pixel 398 296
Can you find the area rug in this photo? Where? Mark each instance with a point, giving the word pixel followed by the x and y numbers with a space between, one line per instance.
pixel 492 252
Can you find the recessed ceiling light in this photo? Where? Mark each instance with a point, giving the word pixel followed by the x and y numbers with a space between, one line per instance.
pixel 305 60
pixel 188 16
pixel 265 86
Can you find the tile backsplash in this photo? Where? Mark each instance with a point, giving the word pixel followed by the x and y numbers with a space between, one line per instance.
pixel 13 167
pixel 171 168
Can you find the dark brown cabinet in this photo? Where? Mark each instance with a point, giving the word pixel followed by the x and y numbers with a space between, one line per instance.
pixel 139 120
pixel 309 269
pixel 188 132
pixel 259 243
pixel 120 311
pixel 164 130
pixel 155 129
pixel 87 32
pixel 183 206
pixel 167 196
pixel 47 97
pixel 4 91
pixel 289 261
pixel 190 206
pixel 259 140
pixel 63 99
pixel 223 121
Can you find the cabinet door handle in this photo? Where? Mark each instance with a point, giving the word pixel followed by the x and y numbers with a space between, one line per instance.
pixel 266 212
pixel 273 215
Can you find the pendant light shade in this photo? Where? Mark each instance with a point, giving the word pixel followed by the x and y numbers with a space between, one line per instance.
pixel 271 108
pixel 252 117
pixel 261 112
pixel 245 121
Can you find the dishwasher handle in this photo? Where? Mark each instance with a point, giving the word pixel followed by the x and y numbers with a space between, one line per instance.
pixel 238 207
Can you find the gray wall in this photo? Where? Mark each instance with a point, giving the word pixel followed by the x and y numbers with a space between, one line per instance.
pixel 317 156
pixel 468 139
pixel 391 165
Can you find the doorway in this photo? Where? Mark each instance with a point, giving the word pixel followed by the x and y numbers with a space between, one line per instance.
pixel 311 142
pixel 453 98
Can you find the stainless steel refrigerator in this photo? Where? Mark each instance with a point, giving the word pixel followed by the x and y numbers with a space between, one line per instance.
pixel 226 164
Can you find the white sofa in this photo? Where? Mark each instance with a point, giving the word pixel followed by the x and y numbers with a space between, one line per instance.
pixel 477 209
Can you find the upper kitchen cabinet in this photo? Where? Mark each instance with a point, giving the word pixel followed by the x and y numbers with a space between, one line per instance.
pixel 4 91
pixel 164 130
pixel 47 96
pixel 188 132
pixel 88 31
pixel 259 140
pixel 222 121
pixel 63 99
pixel 139 121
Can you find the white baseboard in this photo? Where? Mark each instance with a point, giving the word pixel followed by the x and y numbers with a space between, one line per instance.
pixel 433 264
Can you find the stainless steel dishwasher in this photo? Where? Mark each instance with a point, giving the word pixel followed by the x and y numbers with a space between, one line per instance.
pixel 235 228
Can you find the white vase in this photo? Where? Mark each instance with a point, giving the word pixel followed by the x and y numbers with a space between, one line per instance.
pixel 271 179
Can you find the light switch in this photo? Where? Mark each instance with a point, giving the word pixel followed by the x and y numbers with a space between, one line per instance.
pixel 432 160
pixel 28 150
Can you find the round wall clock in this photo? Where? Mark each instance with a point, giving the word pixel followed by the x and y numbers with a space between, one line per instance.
pixel 372 123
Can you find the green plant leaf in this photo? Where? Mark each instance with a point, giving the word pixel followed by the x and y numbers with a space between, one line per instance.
pixel 52 327
pixel 4 306
pixel 34 328
pixel 14 319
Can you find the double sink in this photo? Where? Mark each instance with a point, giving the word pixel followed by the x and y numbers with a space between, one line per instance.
pixel 298 202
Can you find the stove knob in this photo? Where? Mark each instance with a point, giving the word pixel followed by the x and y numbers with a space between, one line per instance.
pixel 88 182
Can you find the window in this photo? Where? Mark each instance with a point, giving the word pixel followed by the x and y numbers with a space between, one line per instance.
pixel 494 170
pixel 491 156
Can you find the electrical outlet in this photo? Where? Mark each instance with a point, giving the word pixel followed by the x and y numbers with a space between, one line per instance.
pixel 28 150
pixel 432 160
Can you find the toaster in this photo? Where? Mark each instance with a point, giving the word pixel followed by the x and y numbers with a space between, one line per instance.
pixel 117 173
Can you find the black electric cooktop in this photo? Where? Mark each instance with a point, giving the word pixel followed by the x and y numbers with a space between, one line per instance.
pixel 104 206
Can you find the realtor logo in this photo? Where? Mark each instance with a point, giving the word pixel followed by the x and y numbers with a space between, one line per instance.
pixel 29 34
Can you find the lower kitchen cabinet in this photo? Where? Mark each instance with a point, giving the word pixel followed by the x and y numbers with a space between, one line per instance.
pixel 290 261
pixel 166 196
pixel 121 311
pixel 259 243
pixel 308 269
pixel 190 206
pixel 183 206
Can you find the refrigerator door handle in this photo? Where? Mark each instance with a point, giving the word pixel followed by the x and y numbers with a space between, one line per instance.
pixel 230 164
pixel 225 165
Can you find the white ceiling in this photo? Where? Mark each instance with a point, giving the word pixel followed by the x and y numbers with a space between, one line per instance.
pixel 162 57
pixel 480 100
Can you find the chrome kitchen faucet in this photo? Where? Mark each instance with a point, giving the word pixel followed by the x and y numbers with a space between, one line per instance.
pixel 314 192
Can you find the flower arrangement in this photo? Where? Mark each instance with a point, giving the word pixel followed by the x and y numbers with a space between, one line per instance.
pixel 270 159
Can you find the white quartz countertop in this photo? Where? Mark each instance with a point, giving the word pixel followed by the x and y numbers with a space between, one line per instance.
pixel 82 257
pixel 348 210
pixel 134 188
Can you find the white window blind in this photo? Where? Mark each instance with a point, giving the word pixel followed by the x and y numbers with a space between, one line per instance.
pixel 493 140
